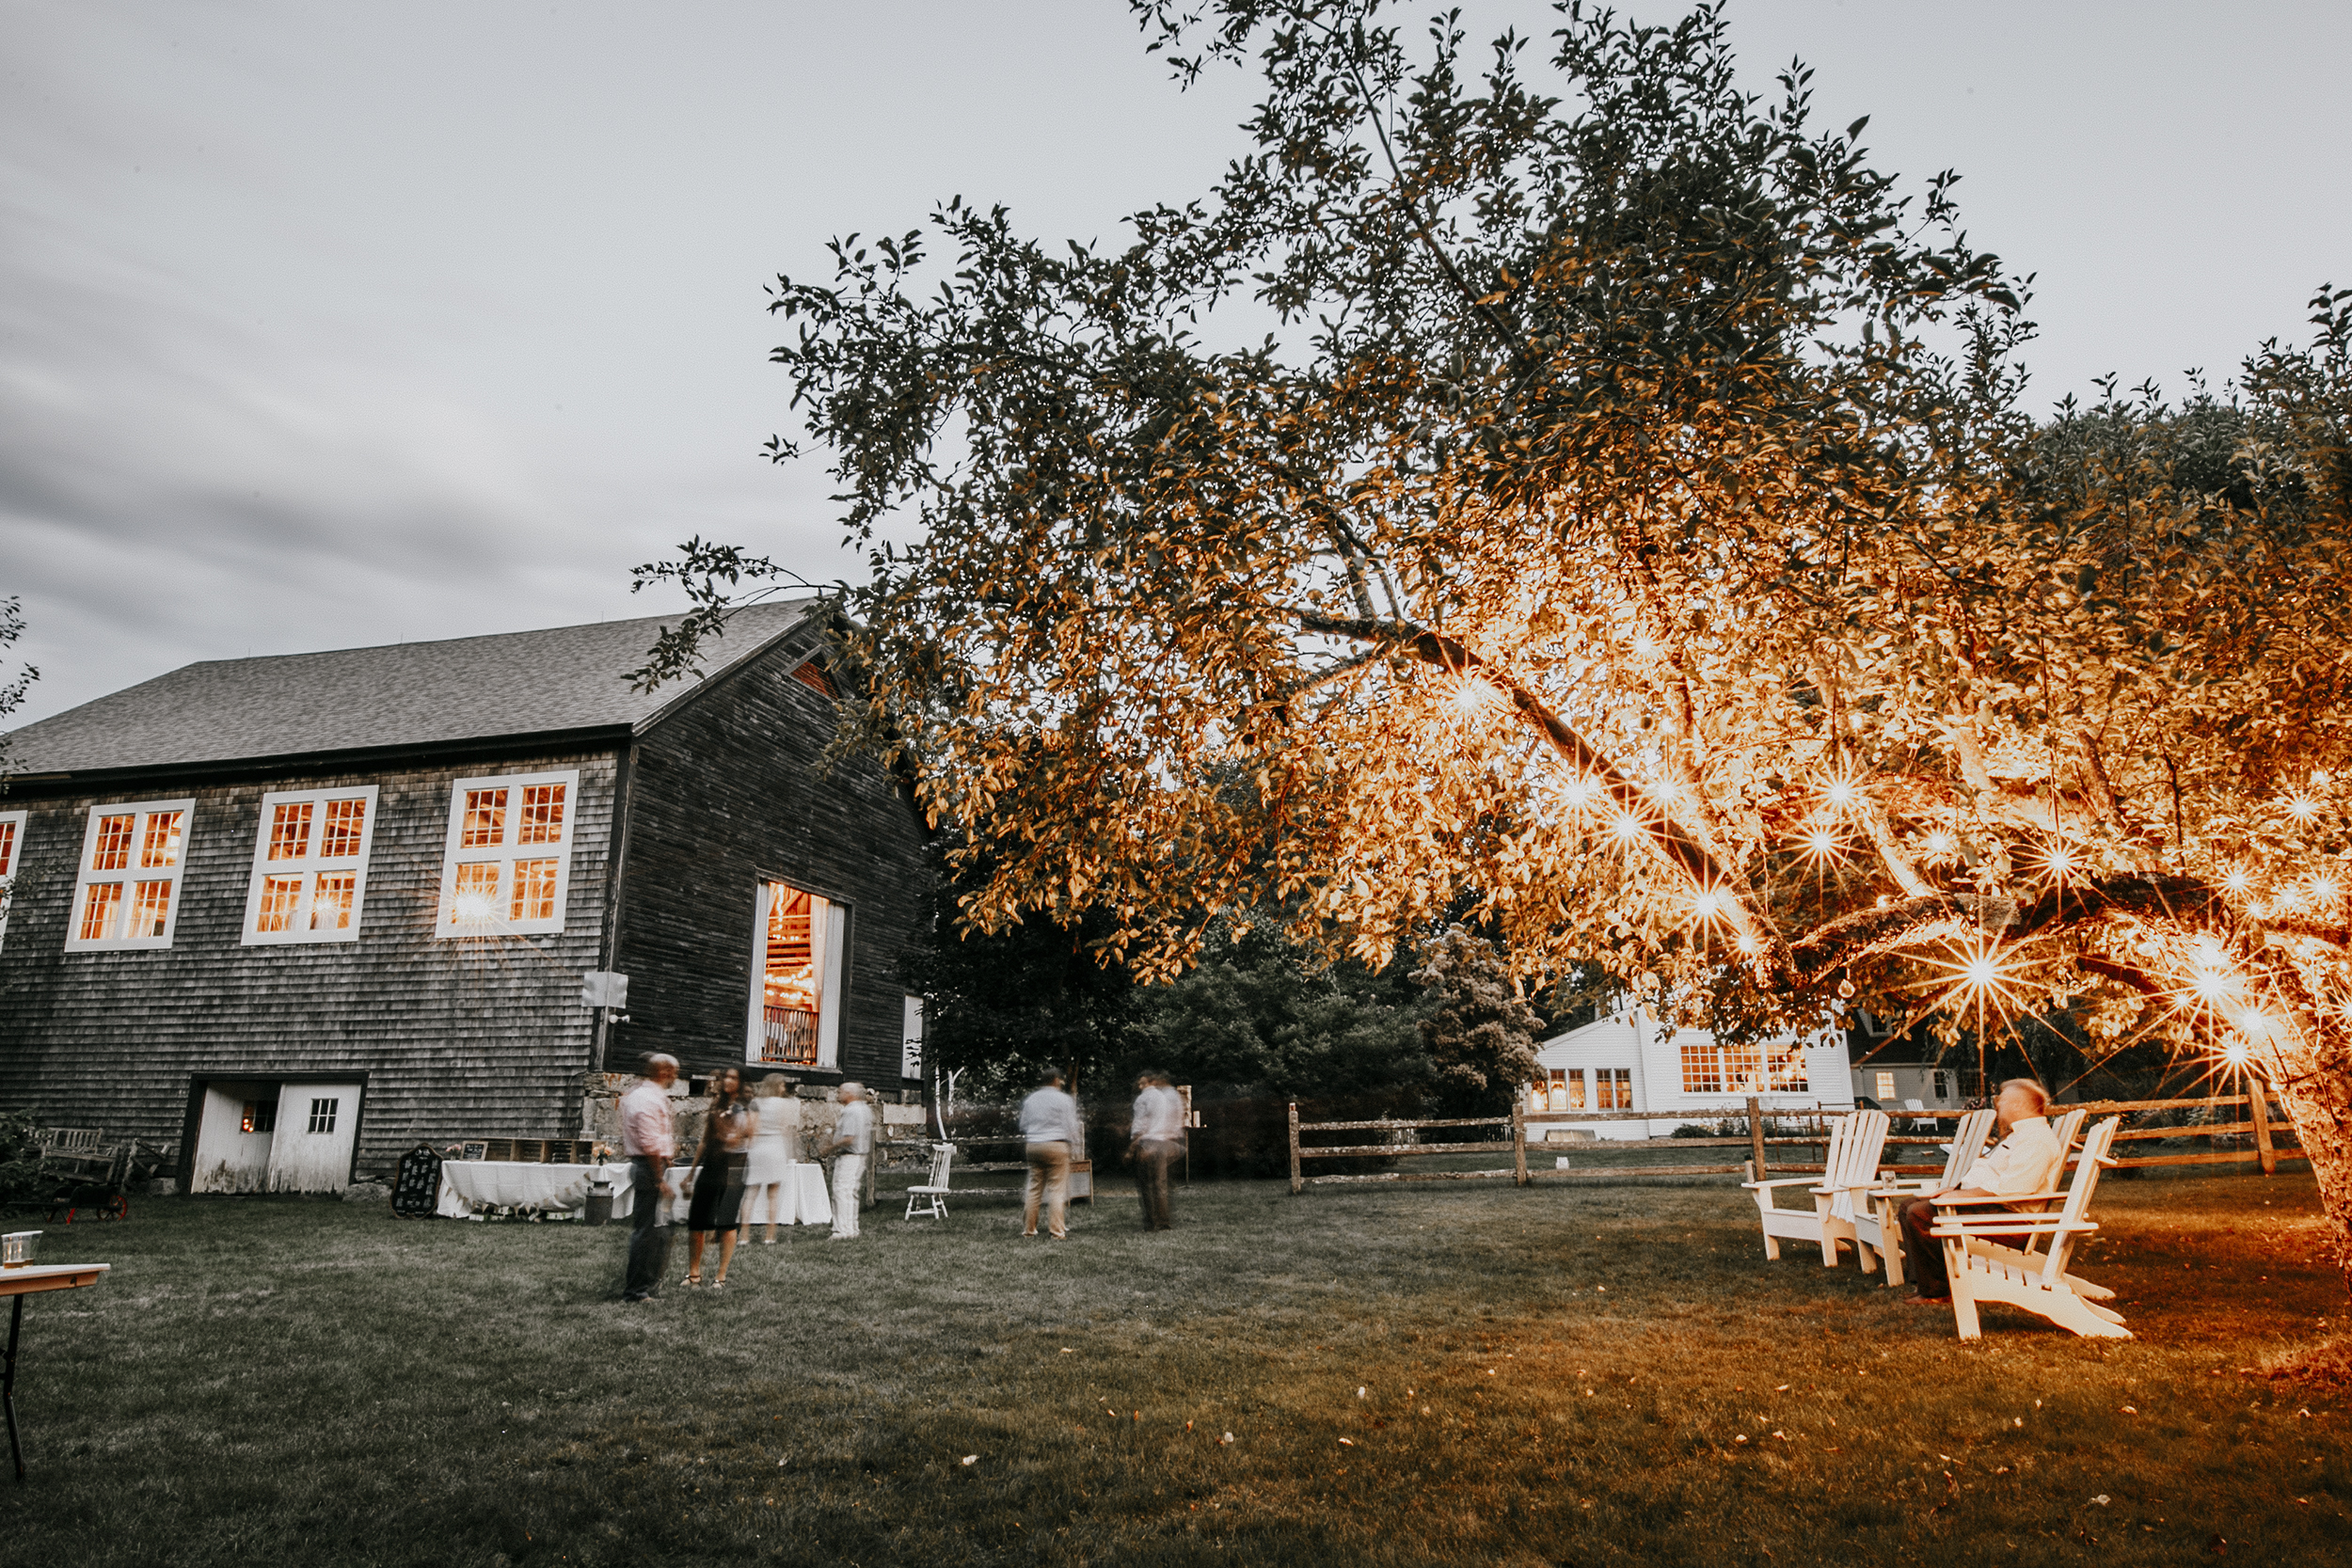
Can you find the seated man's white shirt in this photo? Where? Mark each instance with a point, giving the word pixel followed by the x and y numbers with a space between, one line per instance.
pixel 2025 1162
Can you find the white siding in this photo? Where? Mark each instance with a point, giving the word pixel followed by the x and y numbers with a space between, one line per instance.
pixel 1632 1039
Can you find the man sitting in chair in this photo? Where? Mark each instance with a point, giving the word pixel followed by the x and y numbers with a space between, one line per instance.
pixel 2025 1162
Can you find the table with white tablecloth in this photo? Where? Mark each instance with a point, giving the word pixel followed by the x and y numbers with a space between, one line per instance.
pixel 469 1185
pixel 801 1197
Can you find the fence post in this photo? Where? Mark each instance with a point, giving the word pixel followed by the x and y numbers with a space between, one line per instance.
pixel 1755 1135
pixel 2258 1104
pixel 1518 1142
pixel 1298 1184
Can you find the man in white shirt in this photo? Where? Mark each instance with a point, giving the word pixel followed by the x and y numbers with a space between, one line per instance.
pixel 1155 1139
pixel 647 1141
pixel 853 1145
pixel 2024 1163
pixel 1052 1136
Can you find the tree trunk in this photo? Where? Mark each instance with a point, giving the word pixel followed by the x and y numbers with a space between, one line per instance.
pixel 2316 1091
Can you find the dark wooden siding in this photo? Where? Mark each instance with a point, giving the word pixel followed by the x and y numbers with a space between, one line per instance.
pixel 732 791
pixel 456 1037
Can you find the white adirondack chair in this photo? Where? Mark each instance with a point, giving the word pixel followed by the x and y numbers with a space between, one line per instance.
pixel 2041 1285
pixel 1884 1229
pixel 1841 1193
pixel 930 1198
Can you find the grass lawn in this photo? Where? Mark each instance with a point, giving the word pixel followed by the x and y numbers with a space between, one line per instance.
pixel 1453 1374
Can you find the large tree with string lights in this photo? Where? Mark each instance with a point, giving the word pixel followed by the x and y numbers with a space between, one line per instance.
pixel 1630 532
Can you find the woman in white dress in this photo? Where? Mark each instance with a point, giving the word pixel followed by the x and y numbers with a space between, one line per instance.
pixel 769 1170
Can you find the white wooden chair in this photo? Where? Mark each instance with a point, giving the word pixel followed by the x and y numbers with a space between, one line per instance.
pixel 1984 1269
pixel 1884 1229
pixel 1841 1193
pixel 930 1198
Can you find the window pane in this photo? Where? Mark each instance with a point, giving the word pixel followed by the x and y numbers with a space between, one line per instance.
pixel 1702 1069
pixel 149 907
pixel 163 840
pixel 534 891
pixel 331 903
pixel 790 967
pixel 485 818
pixel 339 839
pixel 261 1116
pixel 280 895
pixel 290 831
pixel 323 1114
pixel 99 907
pixel 113 852
pixel 474 900
pixel 7 847
pixel 543 815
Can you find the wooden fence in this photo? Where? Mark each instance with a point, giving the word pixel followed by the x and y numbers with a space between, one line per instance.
pixel 1766 1130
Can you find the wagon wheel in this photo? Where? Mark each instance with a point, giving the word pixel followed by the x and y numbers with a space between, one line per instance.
pixel 116 1206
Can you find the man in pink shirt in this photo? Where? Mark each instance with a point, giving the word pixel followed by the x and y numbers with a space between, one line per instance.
pixel 646 1139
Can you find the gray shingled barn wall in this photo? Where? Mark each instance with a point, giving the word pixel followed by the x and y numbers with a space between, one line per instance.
pixel 455 1038
pixel 727 793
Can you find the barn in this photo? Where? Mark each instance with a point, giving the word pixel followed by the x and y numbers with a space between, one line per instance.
pixel 297 914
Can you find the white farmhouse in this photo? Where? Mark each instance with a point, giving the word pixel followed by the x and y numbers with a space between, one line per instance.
pixel 1628 1061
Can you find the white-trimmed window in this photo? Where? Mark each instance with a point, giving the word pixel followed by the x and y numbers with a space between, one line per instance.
pixel 11 846
pixel 309 865
pixel 127 891
pixel 800 939
pixel 509 865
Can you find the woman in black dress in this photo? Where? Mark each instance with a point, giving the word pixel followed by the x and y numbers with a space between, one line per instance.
pixel 719 1176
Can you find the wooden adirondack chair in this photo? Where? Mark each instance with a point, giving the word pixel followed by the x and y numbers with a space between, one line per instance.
pixel 1882 1230
pixel 2041 1285
pixel 930 1198
pixel 1841 1196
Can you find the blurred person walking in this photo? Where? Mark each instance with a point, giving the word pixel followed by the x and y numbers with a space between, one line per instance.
pixel 1155 1139
pixel 776 1140
pixel 853 1143
pixel 1052 1135
pixel 647 1142
pixel 718 1203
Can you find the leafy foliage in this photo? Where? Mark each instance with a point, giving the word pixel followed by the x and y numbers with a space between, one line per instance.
pixel 1481 1033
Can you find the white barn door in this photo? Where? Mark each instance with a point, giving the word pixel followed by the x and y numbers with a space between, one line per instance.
pixel 318 1126
pixel 233 1136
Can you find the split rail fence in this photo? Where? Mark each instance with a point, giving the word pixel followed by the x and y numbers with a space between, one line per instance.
pixel 1767 1130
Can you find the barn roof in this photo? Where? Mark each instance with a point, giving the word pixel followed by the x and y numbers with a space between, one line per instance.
pixel 402 695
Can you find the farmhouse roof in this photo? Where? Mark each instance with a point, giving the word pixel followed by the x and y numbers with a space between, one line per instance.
pixel 400 696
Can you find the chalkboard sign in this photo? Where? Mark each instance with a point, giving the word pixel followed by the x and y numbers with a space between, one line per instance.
pixel 417 1190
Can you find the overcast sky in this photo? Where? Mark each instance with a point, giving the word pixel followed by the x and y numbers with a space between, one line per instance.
pixel 329 325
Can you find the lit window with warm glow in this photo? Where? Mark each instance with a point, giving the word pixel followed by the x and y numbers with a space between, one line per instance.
pixel 126 891
pixel 800 939
pixel 508 865
pixel 309 865
pixel 11 836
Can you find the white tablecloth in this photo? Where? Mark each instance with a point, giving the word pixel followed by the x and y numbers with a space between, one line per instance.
pixel 802 1199
pixel 470 1185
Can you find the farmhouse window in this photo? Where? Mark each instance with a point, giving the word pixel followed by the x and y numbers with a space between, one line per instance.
pixel 127 891
pixel 12 835
pixel 1613 1088
pixel 309 865
pixel 800 938
pixel 510 855
pixel 261 1116
pixel 323 1114
pixel 1886 1086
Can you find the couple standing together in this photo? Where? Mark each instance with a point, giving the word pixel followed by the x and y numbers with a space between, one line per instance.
pixel 748 1141
pixel 1052 1135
